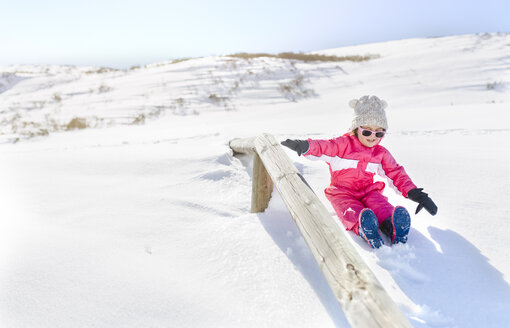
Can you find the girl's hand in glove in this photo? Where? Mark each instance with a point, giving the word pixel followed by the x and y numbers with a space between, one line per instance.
pixel 299 146
pixel 423 200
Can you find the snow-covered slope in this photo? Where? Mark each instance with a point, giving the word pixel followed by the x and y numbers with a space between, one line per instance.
pixel 141 219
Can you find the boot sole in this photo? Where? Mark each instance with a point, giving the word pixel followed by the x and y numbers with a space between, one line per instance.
pixel 401 221
pixel 369 228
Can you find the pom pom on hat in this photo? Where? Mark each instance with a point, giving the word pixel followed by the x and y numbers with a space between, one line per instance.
pixel 369 110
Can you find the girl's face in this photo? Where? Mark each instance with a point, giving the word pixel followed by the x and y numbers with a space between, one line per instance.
pixel 371 140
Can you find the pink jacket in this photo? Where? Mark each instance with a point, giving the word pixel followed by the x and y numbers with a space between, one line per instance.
pixel 353 166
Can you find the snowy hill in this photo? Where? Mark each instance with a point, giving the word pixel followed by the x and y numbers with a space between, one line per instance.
pixel 122 205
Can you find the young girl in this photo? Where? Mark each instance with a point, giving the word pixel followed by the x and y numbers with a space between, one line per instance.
pixel 353 160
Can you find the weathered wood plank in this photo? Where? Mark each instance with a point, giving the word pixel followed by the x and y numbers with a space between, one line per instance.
pixel 262 186
pixel 362 297
pixel 243 146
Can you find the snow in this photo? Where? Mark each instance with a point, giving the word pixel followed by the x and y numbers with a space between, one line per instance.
pixel 142 219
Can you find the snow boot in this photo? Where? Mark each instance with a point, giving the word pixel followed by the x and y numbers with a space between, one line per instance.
pixel 368 228
pixel 397 226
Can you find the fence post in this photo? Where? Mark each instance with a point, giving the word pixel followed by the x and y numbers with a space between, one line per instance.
pixel 262 186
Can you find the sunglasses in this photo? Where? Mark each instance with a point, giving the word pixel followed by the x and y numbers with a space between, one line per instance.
pixel 368 133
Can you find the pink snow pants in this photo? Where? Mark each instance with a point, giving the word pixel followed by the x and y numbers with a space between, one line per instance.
pixel 348 205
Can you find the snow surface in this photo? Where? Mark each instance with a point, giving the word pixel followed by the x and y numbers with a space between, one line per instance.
pixel 142 219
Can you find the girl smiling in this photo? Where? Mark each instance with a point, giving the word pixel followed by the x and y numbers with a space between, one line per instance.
pixel 354 158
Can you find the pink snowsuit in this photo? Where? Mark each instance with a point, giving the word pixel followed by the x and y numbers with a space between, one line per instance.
pixel 353 166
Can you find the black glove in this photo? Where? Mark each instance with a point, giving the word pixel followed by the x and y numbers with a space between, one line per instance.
pixel 423 199
pixel 299 146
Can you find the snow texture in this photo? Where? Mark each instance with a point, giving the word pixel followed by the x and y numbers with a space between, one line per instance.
pixel 141 217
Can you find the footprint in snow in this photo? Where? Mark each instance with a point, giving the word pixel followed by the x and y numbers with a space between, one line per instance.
pixel 216 175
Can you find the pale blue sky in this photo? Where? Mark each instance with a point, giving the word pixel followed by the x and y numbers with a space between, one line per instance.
pixel 124 33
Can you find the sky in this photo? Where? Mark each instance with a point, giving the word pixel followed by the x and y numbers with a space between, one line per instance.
pixel 127 33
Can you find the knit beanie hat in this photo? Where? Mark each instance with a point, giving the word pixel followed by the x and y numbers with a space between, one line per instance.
pixel 369 111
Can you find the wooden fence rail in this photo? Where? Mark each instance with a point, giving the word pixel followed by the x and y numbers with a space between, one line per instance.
pixel 364 301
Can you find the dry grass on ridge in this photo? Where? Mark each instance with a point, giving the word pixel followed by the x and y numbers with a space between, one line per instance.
pixel 305 57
